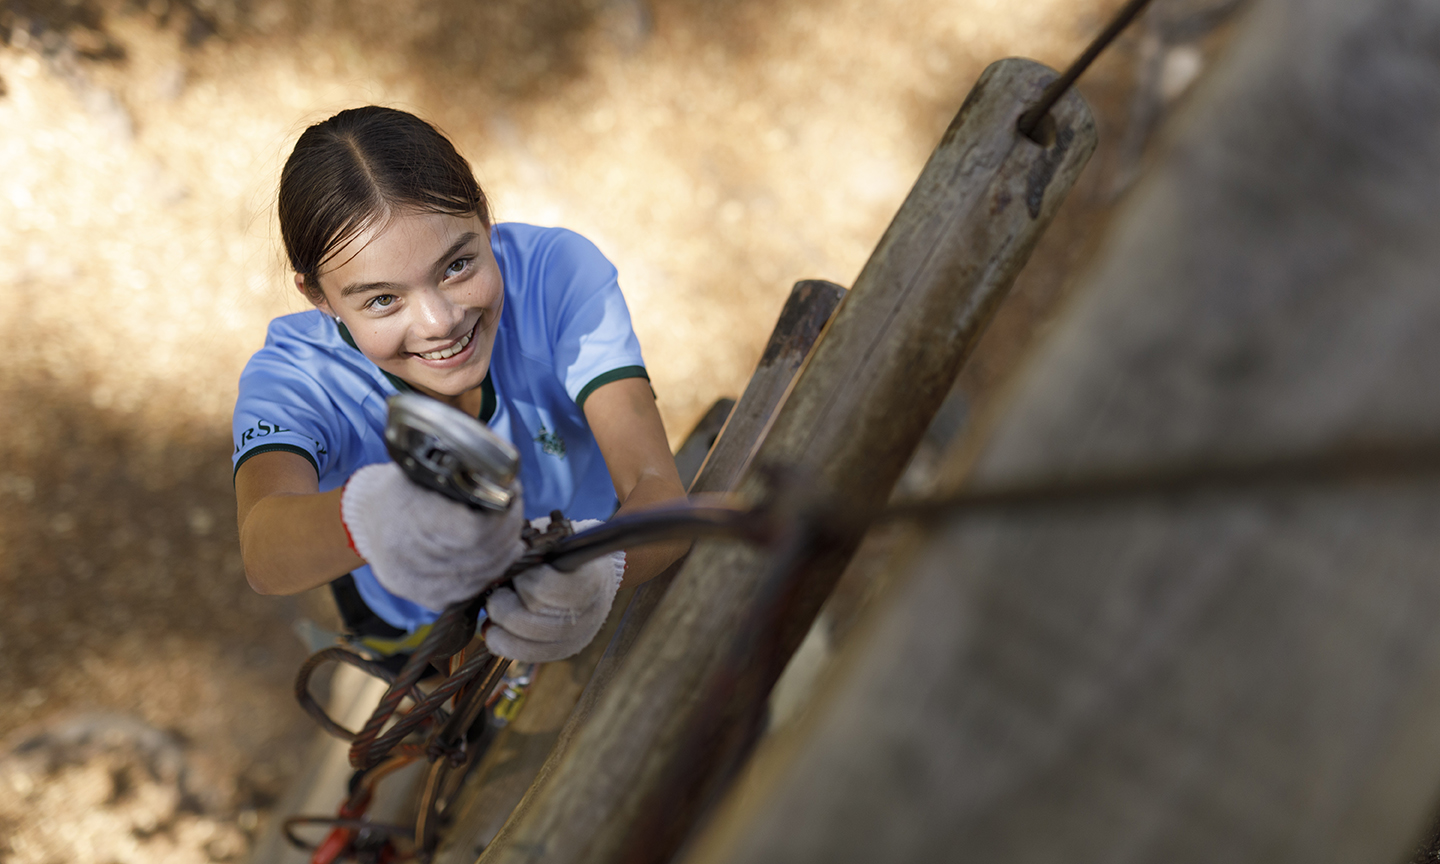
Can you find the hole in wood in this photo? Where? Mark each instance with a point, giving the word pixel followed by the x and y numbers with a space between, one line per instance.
pixel 1042 133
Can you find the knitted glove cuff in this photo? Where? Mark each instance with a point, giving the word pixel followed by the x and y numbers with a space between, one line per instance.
pixel 617 558
pixel 353 511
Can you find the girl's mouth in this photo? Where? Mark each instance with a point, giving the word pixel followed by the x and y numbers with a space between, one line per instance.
pixel 452 350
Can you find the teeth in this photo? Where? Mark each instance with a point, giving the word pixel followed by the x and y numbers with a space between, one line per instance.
pixel 448 352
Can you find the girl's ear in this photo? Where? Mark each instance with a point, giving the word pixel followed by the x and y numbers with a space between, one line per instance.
pixel 322 304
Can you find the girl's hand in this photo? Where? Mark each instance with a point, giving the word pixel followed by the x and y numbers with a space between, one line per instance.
pixel 421 545
pixel 549 615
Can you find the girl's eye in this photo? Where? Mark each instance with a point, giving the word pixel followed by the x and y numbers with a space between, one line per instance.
pixel 458 266
pixel 380 301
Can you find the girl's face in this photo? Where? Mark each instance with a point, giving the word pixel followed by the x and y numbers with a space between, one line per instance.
pixel 421 295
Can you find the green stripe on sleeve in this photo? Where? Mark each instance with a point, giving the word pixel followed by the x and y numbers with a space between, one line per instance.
pixel 608 377
pixel 271 448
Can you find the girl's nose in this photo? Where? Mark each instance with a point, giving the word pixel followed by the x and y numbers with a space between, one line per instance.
pixel 437 316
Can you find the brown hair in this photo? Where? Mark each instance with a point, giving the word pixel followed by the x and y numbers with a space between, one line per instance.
pixel 359 166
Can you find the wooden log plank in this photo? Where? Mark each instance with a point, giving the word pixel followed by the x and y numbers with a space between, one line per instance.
pixel 521 751
pixel 1222 677
pixel 683 709
pixel 810 306
pixel 701 441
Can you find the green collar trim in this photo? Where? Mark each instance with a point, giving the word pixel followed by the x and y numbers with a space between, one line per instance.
pixel 487 398
pixel 487 387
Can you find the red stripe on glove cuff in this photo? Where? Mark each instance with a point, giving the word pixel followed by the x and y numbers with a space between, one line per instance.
pixel 349 538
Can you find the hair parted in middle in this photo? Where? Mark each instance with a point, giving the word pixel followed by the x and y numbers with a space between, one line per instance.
pixel 360 166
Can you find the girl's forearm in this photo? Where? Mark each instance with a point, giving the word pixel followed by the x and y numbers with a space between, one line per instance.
pixel 293 542
pixel 644 563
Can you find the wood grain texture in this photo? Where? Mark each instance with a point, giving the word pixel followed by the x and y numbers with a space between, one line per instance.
pixel 1232 676
pixel 810 306
pixel 701 440
pixel 684 708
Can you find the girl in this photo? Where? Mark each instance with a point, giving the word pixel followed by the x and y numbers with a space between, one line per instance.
pixel 415 290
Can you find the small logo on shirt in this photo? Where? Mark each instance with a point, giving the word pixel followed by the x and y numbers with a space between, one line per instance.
pixel 551 443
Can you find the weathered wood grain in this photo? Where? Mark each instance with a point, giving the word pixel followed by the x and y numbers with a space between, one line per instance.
pixel 682 710
pixel 811 305
pixel 701 440
pixel 1243 676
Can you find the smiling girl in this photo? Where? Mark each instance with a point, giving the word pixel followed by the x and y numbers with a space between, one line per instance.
pixel 416 290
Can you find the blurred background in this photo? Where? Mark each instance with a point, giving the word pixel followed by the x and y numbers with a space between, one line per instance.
pixel 715 151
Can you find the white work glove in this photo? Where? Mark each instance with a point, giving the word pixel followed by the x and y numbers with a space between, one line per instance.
pixel 421 545
pixel 549 615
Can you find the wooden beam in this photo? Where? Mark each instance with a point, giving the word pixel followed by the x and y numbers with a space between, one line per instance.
pixel 810 306
pixel 701 440
pixel 1244 675
pixel 683 709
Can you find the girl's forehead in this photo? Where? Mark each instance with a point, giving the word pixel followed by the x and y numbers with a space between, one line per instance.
pixel 403 245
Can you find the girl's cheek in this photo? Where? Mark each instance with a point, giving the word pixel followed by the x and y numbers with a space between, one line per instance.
pixel 395 342
pixel 385 341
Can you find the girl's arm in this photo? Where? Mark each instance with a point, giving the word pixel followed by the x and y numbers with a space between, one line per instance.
pixel 626 424
pixel 291 536
pixel 420 546
pixel 292 539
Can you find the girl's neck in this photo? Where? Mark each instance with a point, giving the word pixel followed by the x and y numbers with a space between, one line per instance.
pixel 470 401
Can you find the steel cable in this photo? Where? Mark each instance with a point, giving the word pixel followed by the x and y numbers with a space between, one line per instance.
pixel 1030 120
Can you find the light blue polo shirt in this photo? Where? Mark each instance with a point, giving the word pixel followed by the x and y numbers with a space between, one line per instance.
pixel 564 331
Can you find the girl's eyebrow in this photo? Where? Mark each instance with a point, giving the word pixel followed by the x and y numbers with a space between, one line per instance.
pixel 444 260
pixel 362 287
pixel 440 263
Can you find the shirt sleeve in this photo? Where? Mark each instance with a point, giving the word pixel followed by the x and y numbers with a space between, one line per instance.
pixel 281 408
pixel 592 338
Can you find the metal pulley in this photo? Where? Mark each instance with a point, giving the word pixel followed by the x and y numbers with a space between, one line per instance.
pixel 450 452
